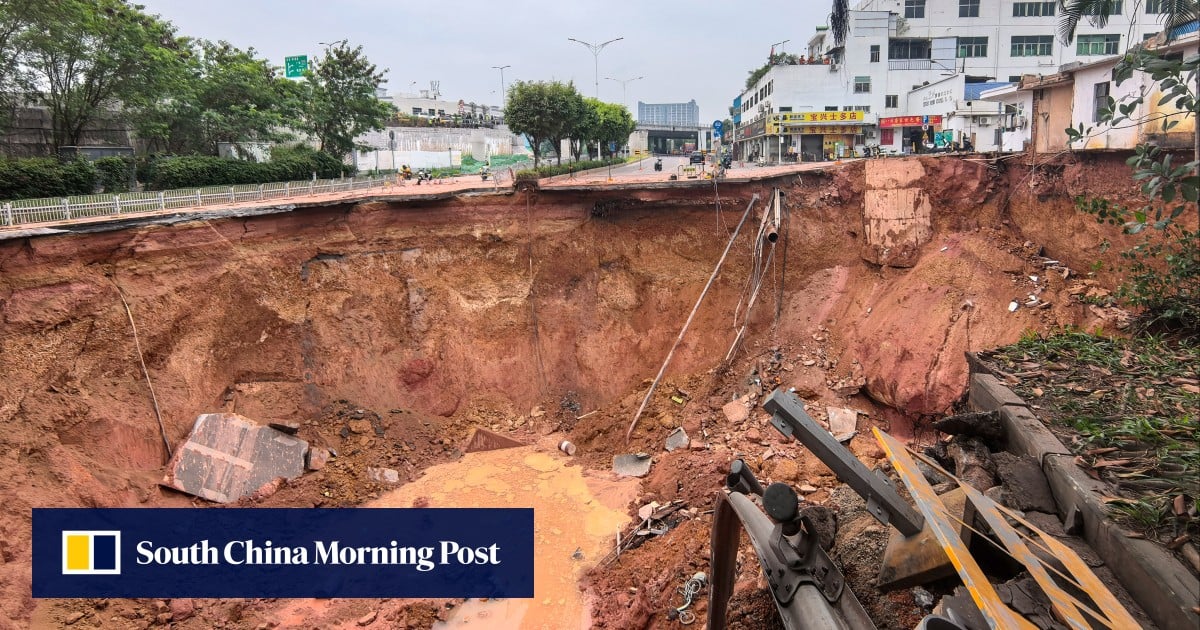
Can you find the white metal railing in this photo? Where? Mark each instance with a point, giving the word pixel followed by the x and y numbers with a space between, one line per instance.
pixel 53 210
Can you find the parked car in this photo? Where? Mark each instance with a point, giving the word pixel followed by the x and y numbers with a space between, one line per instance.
pixel 697 158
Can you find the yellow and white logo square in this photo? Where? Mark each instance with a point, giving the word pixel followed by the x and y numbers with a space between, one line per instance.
pixel 91 552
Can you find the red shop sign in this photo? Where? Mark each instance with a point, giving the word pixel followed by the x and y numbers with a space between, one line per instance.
pixel 908 121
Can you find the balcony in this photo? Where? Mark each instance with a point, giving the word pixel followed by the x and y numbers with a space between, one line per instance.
pixel 910 64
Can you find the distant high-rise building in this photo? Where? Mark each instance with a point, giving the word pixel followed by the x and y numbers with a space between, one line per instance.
pixel 681 114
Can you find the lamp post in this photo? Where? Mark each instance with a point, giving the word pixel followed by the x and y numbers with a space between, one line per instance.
pixel 503 96
pixel 595 48
pixel 623 83
pixel 780 44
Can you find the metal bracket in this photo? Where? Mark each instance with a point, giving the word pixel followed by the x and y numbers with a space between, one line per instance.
pixel 883 502
pixel 802 561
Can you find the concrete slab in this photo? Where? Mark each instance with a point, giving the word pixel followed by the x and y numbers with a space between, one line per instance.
pixel 485 440
pixel 988 393
pixel 632 465
pixel 1025 486
pixel 227 457
pixel 677 439
pixel 920 559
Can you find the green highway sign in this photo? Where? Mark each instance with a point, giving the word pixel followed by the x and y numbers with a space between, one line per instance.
pixel 294 67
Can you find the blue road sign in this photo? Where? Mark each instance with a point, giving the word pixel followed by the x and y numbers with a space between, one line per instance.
pixel 925 120
pixel 612 146
pixel 717 126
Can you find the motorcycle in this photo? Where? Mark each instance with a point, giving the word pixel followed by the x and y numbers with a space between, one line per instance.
pixel 483 173
pixel 658 164
pixel 406 173
pixel 424 175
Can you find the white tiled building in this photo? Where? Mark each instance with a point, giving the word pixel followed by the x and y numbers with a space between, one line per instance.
pixel 916 58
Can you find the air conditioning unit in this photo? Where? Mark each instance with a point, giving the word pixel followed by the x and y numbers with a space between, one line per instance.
pixel 982 121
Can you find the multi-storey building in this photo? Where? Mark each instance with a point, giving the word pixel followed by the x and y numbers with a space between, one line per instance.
pixel 911 70
pixel 671 114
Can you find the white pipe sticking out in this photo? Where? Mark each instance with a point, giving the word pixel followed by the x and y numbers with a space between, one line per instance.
pixel 773 226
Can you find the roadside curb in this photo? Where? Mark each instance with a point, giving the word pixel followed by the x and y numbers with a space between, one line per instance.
pixel 1160 584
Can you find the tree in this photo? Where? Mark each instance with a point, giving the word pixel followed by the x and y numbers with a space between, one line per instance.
pixel 226 95
pixel 15 16
pixel 1173 13
pixel 546 111
pixel 339 100
pixel 1164 268
pixel 586 127
pixel 615 125
pixel 88 56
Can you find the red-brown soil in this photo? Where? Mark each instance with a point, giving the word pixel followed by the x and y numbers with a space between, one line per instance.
pixel 518 313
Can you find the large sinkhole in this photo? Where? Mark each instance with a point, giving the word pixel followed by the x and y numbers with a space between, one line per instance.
pixel 388 331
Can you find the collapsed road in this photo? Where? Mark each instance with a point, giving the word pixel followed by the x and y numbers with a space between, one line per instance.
pixel 381 335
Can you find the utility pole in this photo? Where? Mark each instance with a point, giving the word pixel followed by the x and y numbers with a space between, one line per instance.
pixel 595 48
pixel 624 82
pixel 503 96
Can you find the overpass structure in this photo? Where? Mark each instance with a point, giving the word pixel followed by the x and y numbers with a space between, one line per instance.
pixel 668 138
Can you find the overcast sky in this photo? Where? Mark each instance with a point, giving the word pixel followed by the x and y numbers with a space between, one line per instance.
pixel 699 50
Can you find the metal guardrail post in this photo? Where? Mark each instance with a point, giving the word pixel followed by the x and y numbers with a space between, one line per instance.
pixel 162 201
pixel 287 192
pixel 8 220
pixel 260 192
pixel 66 209
pixel 199 199
pixel 883 502
pixel 310 187
pixel 232 195
pixel 117 203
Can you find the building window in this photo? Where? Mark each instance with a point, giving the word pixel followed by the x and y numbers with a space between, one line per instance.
pixel 1033 9
pixel 857 108
pixel 908 49
pixel 968 8
pixel 1100 99
pixel 972 47
pixel 891 101
pixel 1115 8
pixel 874 52
pixel 1147 36
pixel 831 108
pixel 1031 45
pixel 1097 44
pixel 1154 6
pixel 914 8
pixel 441 112
pixel 785 109
pixel 416 111
pixel 862 85
pixel 1014 78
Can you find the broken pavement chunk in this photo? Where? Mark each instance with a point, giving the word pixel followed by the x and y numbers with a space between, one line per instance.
pixel 383 475
pixel 842 423
pixel 317 458
pixel 736 411
pixel 632 465
pixel 677 439
pixel 485 440
pixel 227 457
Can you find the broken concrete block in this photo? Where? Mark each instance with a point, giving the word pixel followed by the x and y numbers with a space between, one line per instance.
pixel 842 422
pixel 920 558
pixel 227 457
pixel 383 475
pixel 485 440
pixel 736 412
pixel 632 465
pixel 1025 485
pixel 317 458
pixel 984 424
pixel 677 439
pixel 290 428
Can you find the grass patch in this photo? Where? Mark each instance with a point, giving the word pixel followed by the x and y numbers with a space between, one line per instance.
pixel 1129 408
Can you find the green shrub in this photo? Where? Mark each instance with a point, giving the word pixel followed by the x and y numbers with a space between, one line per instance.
pixel 550 170
pixel 45 177
pixel 199 171
pixel 113 174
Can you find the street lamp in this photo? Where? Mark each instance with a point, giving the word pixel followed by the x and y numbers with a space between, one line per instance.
pixel 595 48
pixel 623 83
pixel 501 69
pixel 780 44
pixel 330 44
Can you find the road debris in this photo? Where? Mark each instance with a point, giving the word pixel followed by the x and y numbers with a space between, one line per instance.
pixel 227 457
pixel 632 465
pixel 677 439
